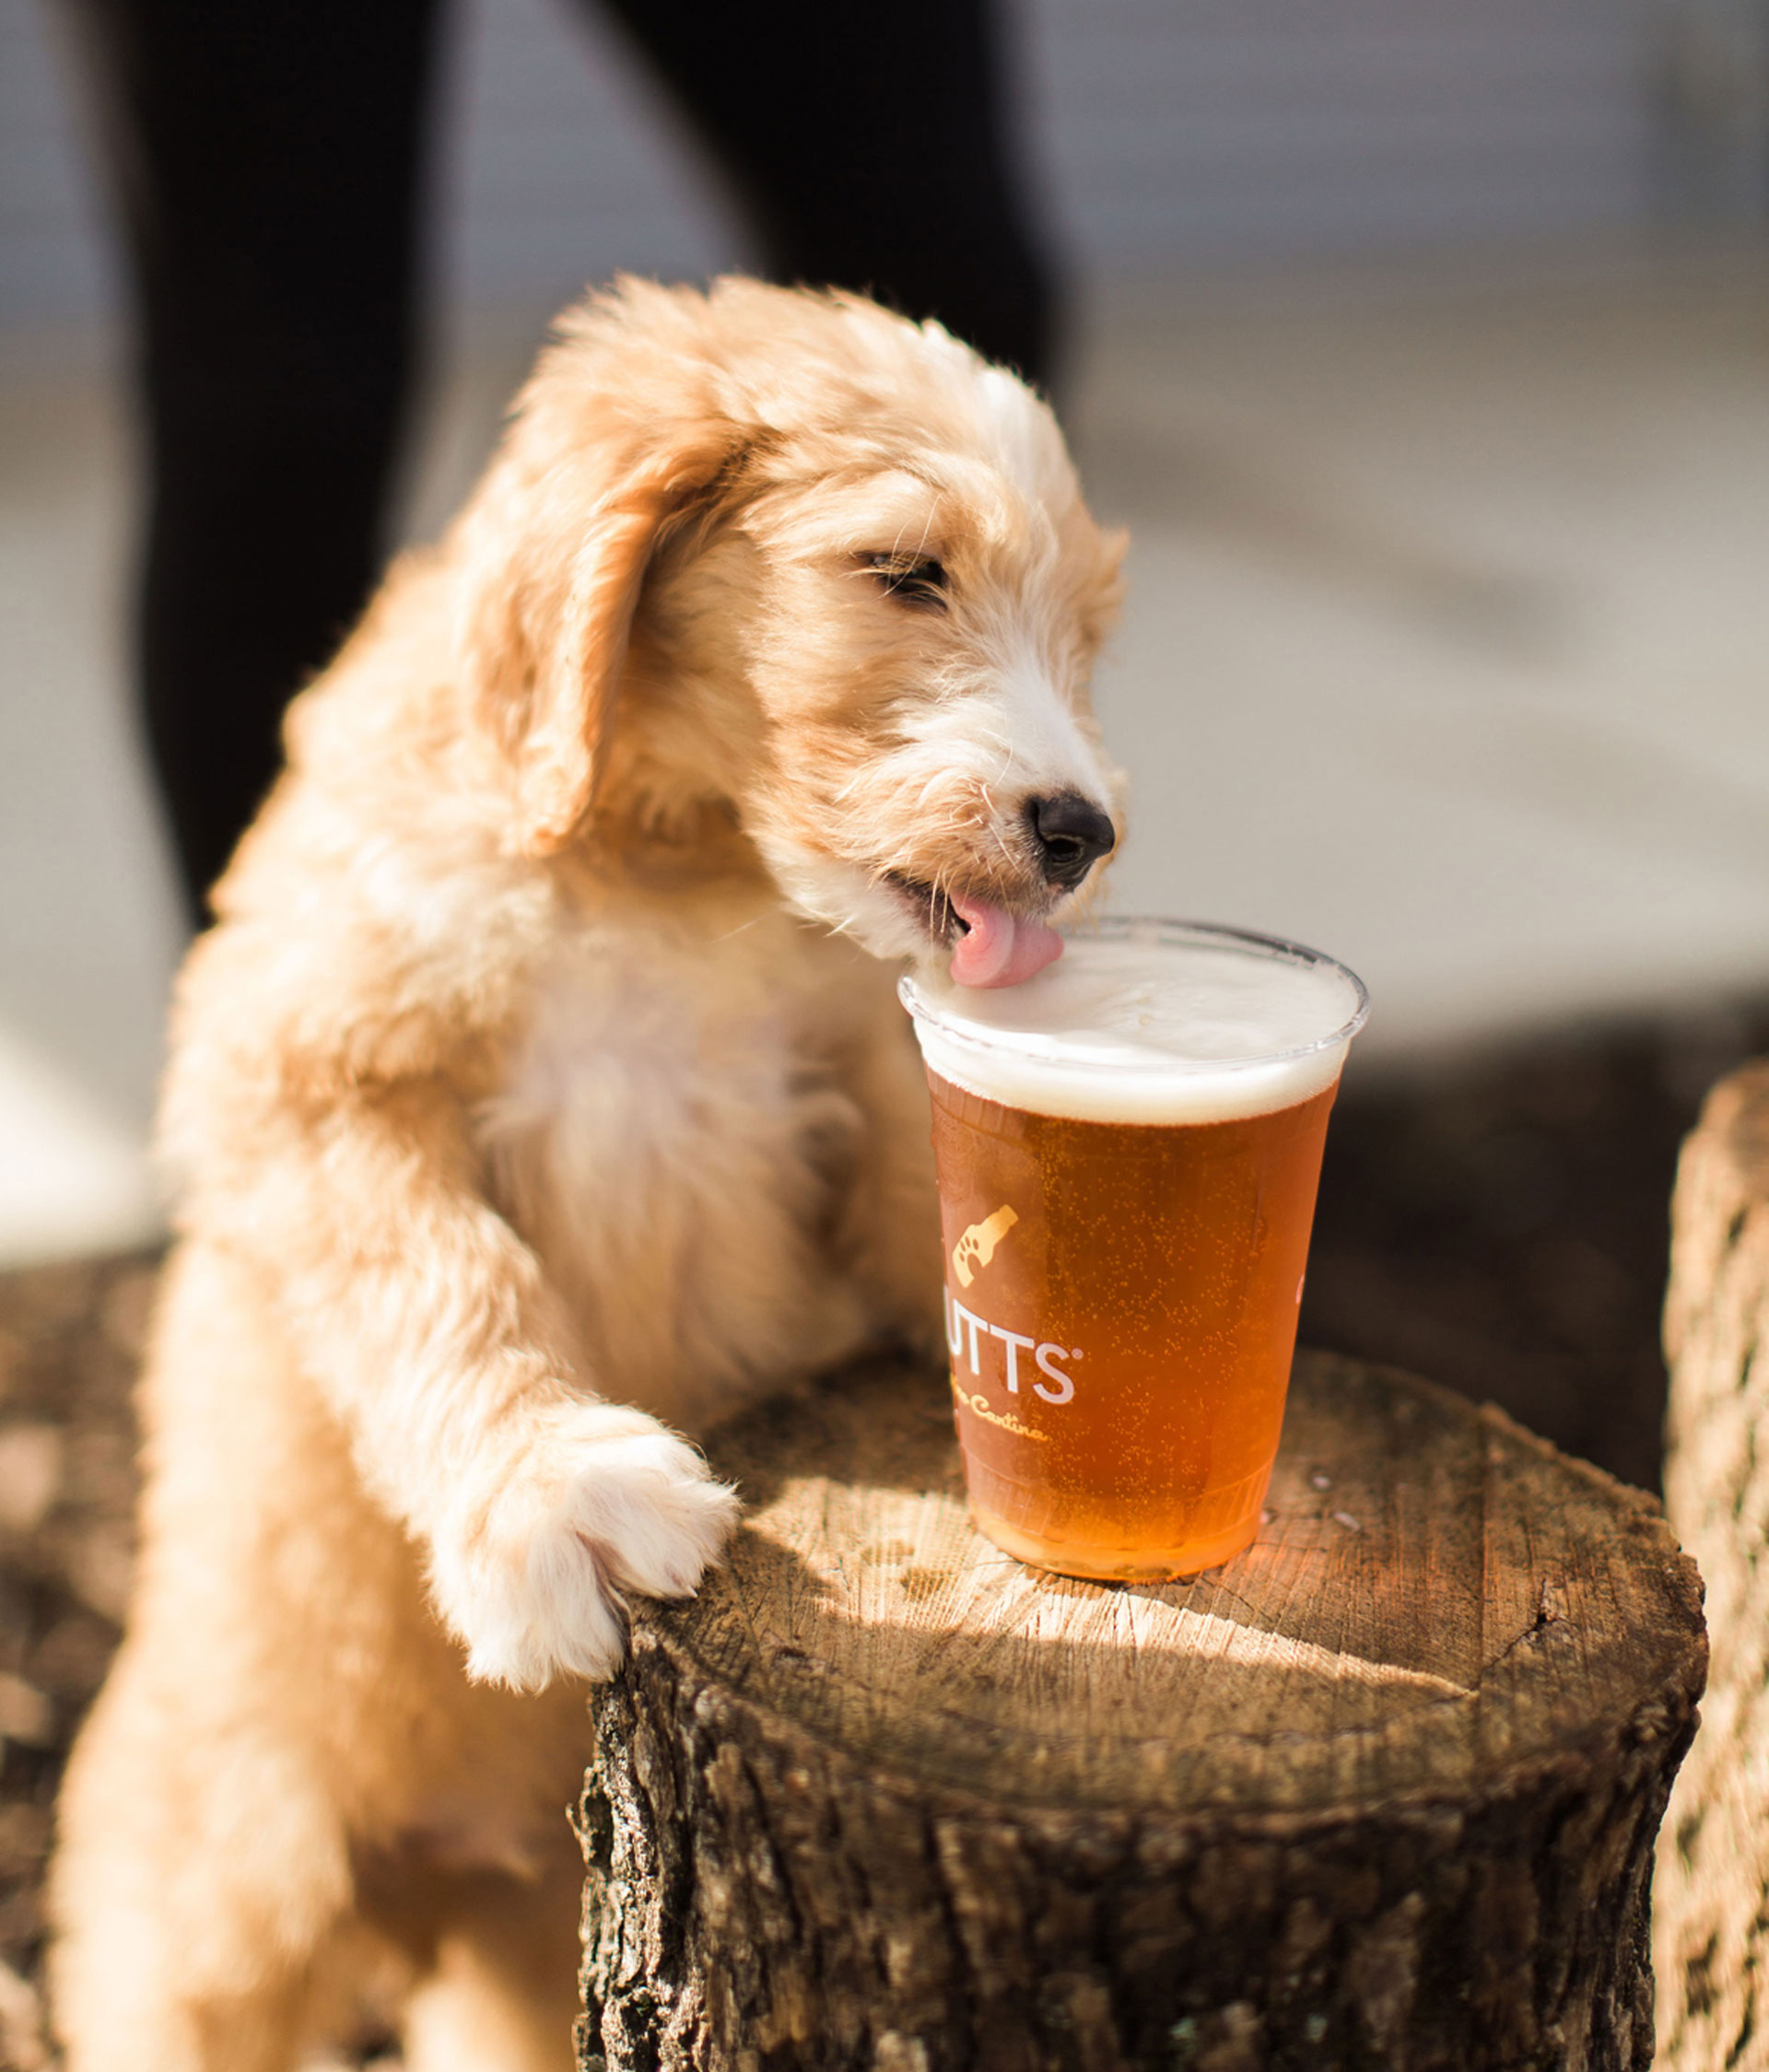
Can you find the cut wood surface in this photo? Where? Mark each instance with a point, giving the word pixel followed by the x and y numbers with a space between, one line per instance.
pixel 1711 1917
pixel 1380 1792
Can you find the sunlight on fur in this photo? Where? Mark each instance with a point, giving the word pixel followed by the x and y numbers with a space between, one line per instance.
pixel 547 1060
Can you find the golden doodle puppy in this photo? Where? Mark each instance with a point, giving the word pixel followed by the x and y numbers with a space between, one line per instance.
pixel 541 1096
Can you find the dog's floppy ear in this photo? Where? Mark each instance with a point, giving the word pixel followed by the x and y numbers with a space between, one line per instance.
pixel 555 550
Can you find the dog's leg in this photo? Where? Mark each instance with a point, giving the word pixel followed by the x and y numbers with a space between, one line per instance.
pixel 203 1864
pixel 428 1325
pixel 503 1993
pixel 191 1908
pixel 892 1228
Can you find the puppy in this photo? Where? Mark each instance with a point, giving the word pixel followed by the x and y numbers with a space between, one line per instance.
pixel 542 1095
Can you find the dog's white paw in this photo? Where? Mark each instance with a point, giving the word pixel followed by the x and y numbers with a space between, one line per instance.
pixel 607 1502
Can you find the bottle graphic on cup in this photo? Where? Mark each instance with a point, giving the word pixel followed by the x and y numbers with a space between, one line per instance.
pixel 977 1246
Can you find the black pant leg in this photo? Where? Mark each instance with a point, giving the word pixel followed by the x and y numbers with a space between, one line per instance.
pixel 870 147
pixel 268 160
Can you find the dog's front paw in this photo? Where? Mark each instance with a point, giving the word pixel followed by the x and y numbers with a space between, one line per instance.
pixel 608 1500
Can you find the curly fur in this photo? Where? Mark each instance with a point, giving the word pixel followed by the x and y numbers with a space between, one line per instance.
pixel 545 1061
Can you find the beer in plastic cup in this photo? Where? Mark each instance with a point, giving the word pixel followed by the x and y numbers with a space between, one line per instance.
pixel 1128 1146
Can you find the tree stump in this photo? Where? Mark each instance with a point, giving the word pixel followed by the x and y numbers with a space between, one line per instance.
pixel 1711 1919
pixel 1381 1791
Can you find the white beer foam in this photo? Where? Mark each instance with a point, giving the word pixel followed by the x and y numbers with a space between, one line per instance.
pixel 1146 1024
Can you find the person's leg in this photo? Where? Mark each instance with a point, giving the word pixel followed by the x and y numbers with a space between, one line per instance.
pixel 267 158
pixel 870 148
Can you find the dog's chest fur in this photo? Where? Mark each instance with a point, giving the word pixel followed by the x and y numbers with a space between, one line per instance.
pixel 677 1134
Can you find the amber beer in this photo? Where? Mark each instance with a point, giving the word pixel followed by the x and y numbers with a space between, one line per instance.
pixel 1128 1146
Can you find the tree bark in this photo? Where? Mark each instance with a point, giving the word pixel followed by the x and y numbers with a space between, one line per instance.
pixel 1711 1920
pixel 1382 1792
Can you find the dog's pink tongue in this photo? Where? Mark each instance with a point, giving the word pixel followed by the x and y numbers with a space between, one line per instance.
pixel 999 950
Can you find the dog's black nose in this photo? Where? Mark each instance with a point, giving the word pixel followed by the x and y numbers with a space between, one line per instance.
pixel 1070 833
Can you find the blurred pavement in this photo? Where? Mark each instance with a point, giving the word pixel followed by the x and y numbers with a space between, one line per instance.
pixel 1448 642
pixel 1447 650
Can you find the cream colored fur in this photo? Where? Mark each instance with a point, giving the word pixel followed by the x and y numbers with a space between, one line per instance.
pixel 546 1063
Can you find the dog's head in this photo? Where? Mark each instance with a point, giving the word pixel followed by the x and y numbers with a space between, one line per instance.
pixel 790 559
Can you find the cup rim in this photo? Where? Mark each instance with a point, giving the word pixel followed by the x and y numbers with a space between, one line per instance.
pixel 957 1028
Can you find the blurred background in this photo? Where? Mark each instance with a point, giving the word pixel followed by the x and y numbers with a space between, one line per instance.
pixel 1423 346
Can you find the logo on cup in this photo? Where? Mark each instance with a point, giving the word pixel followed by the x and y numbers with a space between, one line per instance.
pixel 1058 1386
pixel 977 1246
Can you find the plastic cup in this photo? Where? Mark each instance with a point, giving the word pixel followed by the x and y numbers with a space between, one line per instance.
pixel 1129 1147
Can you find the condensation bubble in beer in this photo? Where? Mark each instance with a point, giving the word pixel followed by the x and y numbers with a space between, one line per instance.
pixel 1150 1024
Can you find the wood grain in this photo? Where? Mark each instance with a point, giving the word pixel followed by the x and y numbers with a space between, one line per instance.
pixel 1380 1791
pixel 1711 1918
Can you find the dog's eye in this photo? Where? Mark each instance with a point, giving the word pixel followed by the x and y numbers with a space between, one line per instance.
pixel 917 579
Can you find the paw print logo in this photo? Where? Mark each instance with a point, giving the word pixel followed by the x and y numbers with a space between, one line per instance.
pixel 977 1246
